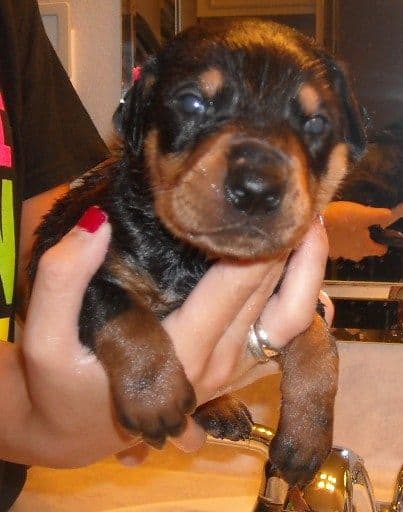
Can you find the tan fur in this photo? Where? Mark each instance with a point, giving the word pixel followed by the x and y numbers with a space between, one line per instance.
pixel 140 360
pixel 139 285
pixel 310 371
pixel 336 170
pixel 309 99
pixel 190 199
pixel 211 81
pixel 164 172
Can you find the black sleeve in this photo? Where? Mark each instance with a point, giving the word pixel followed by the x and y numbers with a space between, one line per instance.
pixel 59 140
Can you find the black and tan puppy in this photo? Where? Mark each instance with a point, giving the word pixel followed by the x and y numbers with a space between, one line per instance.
pixel 235 137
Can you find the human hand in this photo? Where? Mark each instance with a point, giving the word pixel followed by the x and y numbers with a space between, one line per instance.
pixel 210 335
pixel 71 420
pixel 210 330
pixel 397 213
pixel 347 226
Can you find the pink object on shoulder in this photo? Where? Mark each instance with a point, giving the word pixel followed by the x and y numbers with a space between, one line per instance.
pixel 136 73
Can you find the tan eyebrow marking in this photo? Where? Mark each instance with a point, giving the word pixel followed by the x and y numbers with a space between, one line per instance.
pixel 337 168
pixel 211 81
pixel 309 99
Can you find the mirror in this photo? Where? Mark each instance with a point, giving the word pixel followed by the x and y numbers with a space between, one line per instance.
pixel 368 290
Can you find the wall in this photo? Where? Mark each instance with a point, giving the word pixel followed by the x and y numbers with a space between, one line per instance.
pixel 96 57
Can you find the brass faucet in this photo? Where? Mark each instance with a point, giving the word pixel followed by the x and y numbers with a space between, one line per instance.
pixel 341 485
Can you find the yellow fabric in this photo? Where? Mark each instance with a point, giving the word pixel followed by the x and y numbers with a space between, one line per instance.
pixel 4 325
pixel 7 225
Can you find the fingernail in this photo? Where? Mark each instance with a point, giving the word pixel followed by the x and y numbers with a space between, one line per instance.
pixel 92 219
pixel 321 219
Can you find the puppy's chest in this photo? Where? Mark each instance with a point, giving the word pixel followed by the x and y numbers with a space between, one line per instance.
pixel 172 287
pixel 167 270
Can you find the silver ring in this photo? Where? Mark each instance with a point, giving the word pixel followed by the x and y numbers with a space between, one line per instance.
pixel 259 344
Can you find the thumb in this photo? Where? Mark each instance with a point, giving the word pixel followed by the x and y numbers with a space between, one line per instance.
pixel 397 213
pixel 382 216
pixel 63 274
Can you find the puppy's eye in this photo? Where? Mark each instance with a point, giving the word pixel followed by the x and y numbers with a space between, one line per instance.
pixel 315 125
pixel 192 104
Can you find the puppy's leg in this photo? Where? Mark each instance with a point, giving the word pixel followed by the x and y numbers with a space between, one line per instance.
pixel 309 384
pixel 149 386
pixel 225 417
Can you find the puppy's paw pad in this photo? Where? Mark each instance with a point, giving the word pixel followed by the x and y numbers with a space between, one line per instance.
pixel 298 460
pixel 225 418
pixel 156 406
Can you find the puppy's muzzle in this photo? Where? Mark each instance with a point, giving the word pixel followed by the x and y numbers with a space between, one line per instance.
pixel 256 179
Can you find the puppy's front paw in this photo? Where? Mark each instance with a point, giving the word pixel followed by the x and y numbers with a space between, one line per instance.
pixel 225 418
pixel 150 389
pixel 308 387
pixel 154 402
pixel 298 451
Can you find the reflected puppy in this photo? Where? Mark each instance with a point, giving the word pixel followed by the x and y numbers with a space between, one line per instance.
pixel 234 138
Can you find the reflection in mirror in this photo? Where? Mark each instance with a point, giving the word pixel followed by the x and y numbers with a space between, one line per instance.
pixel 365 221
pixel 145 26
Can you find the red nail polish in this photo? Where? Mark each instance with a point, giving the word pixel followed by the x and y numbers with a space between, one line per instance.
pixel 92 219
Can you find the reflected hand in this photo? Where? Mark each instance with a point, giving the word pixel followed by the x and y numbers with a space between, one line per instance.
pixel 347 226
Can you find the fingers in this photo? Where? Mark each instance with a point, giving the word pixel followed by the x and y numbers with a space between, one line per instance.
pixel 371 248
pixel 347 224
pixel 217 353
pixel 283 315
pixel 329 307
pixel 64 272
pixel 397 213
pixel 197 326
pixel 231 350
pixel 291 310
pixel 381 216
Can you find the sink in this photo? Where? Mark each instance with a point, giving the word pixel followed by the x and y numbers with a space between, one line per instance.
pixel 368 420
pixel 223 504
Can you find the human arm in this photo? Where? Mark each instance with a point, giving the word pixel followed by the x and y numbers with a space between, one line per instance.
pixel 51 388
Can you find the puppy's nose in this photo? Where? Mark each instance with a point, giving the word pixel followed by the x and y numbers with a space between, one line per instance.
pixel 256 178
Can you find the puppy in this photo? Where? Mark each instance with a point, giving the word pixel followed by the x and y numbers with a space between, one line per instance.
pixel 234 138
pixel 377 179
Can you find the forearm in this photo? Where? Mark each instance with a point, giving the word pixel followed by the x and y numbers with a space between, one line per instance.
pixel 53 412
pixel 72 439
pixel 16 442
pixel 25 436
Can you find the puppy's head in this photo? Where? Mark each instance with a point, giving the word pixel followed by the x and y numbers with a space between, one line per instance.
pixel 246 130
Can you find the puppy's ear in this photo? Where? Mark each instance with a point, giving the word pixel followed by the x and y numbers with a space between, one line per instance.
pixel 131 117
pixel 354 130
pixel 353 114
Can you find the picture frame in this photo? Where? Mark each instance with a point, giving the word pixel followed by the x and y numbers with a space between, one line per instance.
pixel 56 20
